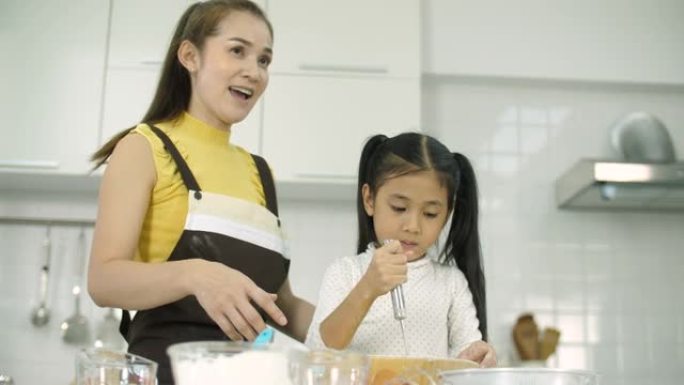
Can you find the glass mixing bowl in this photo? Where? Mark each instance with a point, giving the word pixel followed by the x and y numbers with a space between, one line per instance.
pixel 328 367
pixel 228 362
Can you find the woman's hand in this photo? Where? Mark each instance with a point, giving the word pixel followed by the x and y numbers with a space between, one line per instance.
pixel 386 270
pixel 480 352
pixel 229 298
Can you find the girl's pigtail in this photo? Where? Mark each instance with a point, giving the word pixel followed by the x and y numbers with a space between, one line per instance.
pixel 463 242
pixel 366 166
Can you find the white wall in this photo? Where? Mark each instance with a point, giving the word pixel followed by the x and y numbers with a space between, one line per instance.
pixel 611 282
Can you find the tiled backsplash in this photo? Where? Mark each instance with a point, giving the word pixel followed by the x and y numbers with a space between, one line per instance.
pixel 610 281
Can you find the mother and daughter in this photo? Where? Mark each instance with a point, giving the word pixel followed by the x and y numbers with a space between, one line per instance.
pixel 188 234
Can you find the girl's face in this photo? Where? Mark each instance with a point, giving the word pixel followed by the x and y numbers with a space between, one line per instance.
pixel 410 208
pixel 231 72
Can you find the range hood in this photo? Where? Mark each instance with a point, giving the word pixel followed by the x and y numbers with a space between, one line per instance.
pixel 598 184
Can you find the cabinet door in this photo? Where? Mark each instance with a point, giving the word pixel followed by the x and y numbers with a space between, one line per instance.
pixel 314 127
pixel 141 31
pixel 610 40
pixel 349 36
pixel 51 74
pixel 247 134
pixel 128 94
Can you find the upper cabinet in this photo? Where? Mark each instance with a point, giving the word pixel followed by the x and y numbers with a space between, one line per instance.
pixel 141 31
pixel 346 37
pixel 342 72
pixel 610 40
pixel 139 36
pixel 52 76
pixel 315 127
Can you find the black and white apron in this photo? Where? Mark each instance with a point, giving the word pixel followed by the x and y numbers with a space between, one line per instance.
pixel 240 234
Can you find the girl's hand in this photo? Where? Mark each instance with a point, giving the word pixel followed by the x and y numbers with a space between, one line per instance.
pixel 229 298
pixel 480 352
pixel 386 270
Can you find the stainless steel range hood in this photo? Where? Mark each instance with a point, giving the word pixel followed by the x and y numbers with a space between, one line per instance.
pixel 597 184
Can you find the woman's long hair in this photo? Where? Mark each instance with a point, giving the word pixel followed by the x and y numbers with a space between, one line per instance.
pixel 383 158
pixel 173 93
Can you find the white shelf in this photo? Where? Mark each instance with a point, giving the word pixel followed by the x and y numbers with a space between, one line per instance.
pixel 555 83
pixel 49 197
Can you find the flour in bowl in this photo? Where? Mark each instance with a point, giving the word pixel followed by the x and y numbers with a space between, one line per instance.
pixel 246 368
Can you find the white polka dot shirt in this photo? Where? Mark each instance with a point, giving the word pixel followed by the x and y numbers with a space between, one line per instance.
pixel 440 316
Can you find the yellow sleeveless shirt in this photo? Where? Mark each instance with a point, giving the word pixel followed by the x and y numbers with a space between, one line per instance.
pixel 219 167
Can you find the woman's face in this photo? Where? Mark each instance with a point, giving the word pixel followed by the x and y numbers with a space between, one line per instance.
pixel 231 72
pixel 410 208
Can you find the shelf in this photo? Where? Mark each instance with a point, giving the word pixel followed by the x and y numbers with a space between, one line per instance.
pixel 553 83
pixel 31 182
pixel 49 197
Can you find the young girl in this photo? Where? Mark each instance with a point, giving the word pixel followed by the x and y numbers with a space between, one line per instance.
pixel 408 186
pixel 187 231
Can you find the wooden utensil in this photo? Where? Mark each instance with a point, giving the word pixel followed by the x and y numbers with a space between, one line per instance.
pixel 526 337
pixel 548 343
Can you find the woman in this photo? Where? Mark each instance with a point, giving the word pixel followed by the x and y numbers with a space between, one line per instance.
pixel 187 231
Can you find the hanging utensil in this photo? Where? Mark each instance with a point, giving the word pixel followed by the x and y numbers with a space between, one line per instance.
pixel 549 342
pixel 41 315
pixel 75 329
pixel 107 334
pixel 526 337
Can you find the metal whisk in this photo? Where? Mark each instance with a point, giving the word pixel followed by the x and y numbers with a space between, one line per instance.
pixel 399 306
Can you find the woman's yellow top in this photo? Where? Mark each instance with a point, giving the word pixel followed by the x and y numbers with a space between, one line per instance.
pixel 219 167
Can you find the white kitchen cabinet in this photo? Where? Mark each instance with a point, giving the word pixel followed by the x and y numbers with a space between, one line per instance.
pixel 139 36
pixel 128 94
pixel 342 71
pixel 247 134
pixel 52 77
pixel 587 40
pixel 141 31
pixel 379 37
pixel 314 127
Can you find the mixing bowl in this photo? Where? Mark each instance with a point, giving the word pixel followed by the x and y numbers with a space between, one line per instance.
pixel 328 367
pixel 518 376
pixel 412 370
pixel 227 362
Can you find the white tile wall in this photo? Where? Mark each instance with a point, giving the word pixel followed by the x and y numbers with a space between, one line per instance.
pixel 610 281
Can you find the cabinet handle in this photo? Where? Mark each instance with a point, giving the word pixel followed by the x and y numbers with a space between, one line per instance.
pixel 341 68
pixel 37 164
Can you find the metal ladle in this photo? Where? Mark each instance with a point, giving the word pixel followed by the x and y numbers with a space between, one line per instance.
pixel 75 329
pixel 41 315
pixel 107 334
